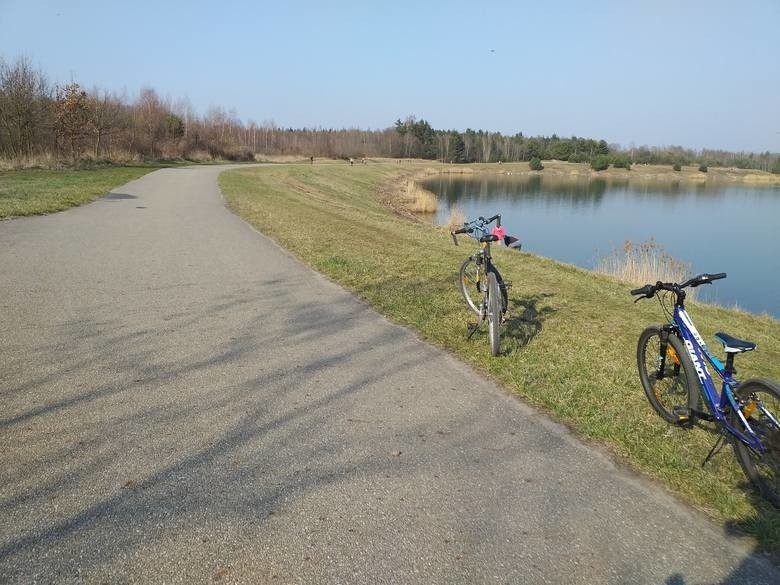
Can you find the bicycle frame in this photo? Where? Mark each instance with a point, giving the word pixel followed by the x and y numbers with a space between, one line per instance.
pixel 718 403
pixel 484 252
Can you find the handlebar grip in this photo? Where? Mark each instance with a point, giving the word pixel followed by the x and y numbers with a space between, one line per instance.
pixel 646 291
pixel 463 230
pixel 703 279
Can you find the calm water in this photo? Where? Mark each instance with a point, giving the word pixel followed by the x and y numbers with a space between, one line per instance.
pixel 728 228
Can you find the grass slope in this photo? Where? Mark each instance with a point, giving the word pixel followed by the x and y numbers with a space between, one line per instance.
pixel 570 343
pixel 34 192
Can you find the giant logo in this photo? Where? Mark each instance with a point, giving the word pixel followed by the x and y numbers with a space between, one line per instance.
pixel 701 369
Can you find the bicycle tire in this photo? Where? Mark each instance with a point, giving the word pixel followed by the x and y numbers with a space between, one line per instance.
pixel 679 386
pixel 494 314
pixel 469 283
pixel 762 470
pixel 502 288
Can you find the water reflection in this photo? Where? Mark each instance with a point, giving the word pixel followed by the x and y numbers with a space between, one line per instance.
pixel 716 227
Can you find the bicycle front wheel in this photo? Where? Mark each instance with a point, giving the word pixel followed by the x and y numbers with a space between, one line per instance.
pixel 760 403
pixel 495 313
pixel 471 282
pixel 674 386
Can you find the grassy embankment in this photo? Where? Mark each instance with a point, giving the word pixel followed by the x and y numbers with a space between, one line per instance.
pixel 34 192
pixel 570 342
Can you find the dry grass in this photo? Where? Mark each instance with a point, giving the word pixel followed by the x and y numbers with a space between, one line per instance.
pixel 643 263
pixel 419 200
pixel 38 161
pixel 284 158
pixel 456 218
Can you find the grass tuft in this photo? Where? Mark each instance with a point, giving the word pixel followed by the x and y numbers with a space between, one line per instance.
pixel 456 218
pixel 418 199
pixel 643 263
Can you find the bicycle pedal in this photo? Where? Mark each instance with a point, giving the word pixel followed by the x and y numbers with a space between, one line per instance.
pixel 682 414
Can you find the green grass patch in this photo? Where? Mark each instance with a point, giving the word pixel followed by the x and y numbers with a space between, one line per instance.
pixel 569 346
pixel 34 192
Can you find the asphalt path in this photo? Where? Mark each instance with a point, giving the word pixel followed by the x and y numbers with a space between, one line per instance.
pixel 182 401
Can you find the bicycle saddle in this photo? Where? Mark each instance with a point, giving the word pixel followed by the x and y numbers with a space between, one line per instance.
pixel 489 238
pixel 734 345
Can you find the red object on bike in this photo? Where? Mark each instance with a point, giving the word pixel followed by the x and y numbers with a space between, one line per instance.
pixel 499 232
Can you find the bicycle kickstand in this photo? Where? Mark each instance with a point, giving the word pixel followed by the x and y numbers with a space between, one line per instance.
pixel 472 330
pixel 719 444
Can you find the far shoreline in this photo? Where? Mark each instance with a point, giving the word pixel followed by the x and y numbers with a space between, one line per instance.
pixel 638 172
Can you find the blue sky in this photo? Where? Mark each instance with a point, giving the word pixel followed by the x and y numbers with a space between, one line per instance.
pixel 655 72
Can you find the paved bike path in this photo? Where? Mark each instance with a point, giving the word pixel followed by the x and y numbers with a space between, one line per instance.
pixel 181 401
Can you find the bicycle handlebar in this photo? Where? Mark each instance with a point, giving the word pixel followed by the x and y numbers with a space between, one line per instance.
pixel 487 221
pixel 470 226
pixel 649 290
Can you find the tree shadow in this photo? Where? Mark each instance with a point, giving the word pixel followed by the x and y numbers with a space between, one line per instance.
pixel 117 197
pixel 125 451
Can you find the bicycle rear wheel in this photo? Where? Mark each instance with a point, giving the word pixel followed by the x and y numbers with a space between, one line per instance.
pixel 676 386
pixel 471 280
pixel 758 399
pixel 494 314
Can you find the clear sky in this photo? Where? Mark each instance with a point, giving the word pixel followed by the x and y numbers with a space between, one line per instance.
pixel 655 72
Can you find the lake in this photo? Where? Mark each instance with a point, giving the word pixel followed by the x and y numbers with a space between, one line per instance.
pixel 729 228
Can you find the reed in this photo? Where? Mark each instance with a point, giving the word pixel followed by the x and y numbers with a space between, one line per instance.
pixel 420 200
pixel 643 263
pixel 456 218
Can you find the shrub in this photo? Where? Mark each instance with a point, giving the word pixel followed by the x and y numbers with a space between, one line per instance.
pixel 600 162
pixel 621 162
pixel 703 168
pixel 536 164
pixel 776 168
pixel 677 166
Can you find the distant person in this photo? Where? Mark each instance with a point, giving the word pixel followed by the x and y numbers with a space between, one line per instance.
pixel 311 158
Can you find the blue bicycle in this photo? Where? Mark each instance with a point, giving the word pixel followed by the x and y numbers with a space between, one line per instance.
pixel 673 366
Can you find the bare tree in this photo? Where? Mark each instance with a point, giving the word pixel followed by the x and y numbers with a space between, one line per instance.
pixel 151 115
pixel 25 98
pixel 106 119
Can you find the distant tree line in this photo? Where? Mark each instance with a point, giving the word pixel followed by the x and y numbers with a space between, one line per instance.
pixel 69 122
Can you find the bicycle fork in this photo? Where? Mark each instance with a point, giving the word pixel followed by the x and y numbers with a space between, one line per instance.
pixel 667 352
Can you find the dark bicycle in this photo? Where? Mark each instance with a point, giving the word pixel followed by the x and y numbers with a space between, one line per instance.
pixel 480 282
